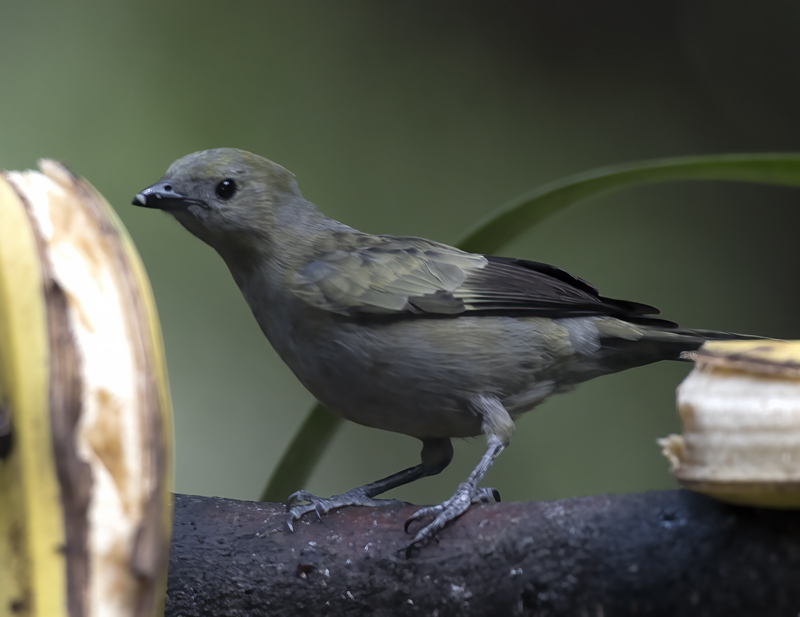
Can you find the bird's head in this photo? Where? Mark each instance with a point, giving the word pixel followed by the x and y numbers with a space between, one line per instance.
pixel 224 196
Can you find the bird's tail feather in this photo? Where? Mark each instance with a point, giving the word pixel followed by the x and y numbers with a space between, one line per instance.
pixel 655 344
pixel 714 335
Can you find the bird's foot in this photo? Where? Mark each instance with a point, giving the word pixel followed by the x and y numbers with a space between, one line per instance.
pixel 354 497
pixel 448 510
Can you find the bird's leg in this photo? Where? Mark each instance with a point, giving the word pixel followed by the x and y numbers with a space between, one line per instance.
pixel 498 427
pixel 436 455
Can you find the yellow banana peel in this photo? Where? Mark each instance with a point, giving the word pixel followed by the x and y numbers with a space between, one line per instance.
pixel 85 413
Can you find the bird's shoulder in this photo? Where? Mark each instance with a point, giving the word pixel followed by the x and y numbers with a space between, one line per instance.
pixel 349 272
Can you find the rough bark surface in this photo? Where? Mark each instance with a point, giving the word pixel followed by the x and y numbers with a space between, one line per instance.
pixel 659 553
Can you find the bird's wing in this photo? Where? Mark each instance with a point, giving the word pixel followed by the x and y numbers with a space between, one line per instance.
pixel 412 276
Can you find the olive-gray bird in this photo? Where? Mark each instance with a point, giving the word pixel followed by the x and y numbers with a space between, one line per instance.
pixel 401 333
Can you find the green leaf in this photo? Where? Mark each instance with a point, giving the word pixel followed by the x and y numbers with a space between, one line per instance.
pixel 520 215
pixel 524 212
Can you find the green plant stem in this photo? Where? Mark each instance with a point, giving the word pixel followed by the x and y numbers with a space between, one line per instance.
pixel 302 454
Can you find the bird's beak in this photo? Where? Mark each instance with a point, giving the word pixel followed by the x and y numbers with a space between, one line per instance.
pixel 163 196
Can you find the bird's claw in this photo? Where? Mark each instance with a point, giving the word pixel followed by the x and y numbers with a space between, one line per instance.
pixel 447 511
pixel 487 495
pixel 321 505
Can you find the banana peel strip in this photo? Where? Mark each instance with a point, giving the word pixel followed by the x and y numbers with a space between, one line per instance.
pixel 85 413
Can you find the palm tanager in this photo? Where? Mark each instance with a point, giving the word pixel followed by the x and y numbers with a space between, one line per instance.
pixel 401 333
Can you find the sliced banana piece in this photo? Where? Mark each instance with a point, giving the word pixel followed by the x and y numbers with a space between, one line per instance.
pixel 740 410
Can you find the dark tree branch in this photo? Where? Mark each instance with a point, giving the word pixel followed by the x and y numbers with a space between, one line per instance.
pixel 661 553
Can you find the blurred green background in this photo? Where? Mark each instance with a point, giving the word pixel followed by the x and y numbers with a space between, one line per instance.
pixel 419 118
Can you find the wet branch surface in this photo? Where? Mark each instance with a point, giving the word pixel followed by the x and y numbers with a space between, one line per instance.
pixel 657 553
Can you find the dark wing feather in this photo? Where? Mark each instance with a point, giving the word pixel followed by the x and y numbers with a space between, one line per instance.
pixel 508 286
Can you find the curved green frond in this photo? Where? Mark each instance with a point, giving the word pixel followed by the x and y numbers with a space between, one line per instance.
pixel 519 215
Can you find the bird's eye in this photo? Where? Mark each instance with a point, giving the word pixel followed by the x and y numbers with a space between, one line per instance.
pixel 226 189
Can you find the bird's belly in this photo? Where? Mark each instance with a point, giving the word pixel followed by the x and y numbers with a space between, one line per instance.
pixel 390 405
pixel 419 377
